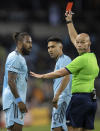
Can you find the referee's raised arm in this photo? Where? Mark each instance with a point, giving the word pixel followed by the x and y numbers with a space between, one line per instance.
pixel 71 29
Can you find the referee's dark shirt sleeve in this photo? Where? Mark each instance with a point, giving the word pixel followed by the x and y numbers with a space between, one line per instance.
pixel 68 70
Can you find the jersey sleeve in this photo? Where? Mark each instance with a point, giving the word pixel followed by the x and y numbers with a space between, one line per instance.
pixel 76 65
pixel 14 65
pixel 65 62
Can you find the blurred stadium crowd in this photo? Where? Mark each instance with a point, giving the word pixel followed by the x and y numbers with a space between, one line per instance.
pixel 43 18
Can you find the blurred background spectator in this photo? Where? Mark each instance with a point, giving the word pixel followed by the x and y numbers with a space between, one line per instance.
pixel 41 19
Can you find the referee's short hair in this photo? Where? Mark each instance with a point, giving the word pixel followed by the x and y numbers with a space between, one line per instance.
pixel 55 39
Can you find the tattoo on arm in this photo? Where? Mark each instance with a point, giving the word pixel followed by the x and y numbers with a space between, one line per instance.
pixel 12 76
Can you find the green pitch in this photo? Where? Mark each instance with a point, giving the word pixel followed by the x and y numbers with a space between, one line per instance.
pixel 47 128
pixel 37 128
pixel 97 125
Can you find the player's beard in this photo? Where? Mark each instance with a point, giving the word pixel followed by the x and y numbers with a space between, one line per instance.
pixel 25 51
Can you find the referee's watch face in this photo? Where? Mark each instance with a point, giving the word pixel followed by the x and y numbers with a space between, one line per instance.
pixel 54 49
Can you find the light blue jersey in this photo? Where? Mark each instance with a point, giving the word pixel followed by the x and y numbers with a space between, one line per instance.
pixel 59 114
pixel 15 63
pixel 61 63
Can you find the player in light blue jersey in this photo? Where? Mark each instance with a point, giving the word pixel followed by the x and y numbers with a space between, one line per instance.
pixel 15 83
pixel 58 114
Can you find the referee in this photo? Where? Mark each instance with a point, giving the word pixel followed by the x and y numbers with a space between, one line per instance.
pixel 84 69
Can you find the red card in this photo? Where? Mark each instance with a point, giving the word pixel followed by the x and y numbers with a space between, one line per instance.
pixel 69 6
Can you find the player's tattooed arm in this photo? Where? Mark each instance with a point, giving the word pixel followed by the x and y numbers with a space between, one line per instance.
pixel 12 76
pixel 12 83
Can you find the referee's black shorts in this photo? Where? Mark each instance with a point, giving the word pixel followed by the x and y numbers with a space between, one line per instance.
pixel 81 111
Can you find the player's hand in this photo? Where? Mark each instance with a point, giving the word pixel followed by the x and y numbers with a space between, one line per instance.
pixel 22 107
pixel 54 102
pixel 36 75
pixel 68 15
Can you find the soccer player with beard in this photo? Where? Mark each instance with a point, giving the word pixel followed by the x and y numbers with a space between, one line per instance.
pixel 15 83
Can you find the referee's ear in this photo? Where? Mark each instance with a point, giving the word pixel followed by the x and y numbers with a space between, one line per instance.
pixel 89 43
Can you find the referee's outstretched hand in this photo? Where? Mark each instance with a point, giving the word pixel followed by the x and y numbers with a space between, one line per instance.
pixel 35 75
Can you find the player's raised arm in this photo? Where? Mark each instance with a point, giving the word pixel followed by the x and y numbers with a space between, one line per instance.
pixel 71 29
